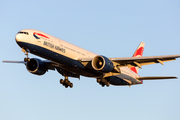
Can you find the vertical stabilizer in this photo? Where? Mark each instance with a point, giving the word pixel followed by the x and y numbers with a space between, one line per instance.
pixel 138 53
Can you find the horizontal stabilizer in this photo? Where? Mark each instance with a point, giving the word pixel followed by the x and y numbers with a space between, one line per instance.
pixel 156 78
pixel 5 61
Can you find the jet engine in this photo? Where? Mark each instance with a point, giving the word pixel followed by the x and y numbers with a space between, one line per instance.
pixel 102 63
pixel 36 66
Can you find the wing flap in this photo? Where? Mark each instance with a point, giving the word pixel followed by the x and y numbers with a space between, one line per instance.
pixel 156 78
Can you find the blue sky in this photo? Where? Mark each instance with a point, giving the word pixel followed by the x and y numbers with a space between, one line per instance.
pixel 111 28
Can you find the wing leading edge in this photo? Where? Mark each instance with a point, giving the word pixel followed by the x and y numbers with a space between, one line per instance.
pixel 141 61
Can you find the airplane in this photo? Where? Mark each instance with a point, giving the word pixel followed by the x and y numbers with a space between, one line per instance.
pixel 72 61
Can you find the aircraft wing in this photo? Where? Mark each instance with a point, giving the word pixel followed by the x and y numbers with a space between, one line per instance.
pixel 50 66
pixel 141 61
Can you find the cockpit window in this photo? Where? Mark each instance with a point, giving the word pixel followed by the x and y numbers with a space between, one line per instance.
pixel 23 33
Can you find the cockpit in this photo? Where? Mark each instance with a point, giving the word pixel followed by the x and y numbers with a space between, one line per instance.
pixel 21 32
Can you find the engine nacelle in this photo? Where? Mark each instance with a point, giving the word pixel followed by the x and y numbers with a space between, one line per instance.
pixel 36 66
pixel 102 63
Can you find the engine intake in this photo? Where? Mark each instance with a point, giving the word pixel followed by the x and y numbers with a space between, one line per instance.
pixel 36 66
pixel 102 63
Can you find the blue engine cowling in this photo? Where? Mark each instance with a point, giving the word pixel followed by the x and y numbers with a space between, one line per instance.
pixel 102 64
pixel 36 66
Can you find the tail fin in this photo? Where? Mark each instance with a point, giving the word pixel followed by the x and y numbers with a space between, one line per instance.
pixel 138 53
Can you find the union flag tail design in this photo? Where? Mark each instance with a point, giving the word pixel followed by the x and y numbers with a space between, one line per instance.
pixel 138 53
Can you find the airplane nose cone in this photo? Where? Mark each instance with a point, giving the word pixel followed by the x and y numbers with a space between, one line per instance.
pixel 18 38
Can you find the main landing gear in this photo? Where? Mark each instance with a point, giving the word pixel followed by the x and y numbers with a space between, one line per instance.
pixel 66 82
pixel 103 82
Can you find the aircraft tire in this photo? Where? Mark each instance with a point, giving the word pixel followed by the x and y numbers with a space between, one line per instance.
pixel 61 81
pixel 71 85
pixel 66 82
pixel 107 84
pixel 25 59
pixel 98 80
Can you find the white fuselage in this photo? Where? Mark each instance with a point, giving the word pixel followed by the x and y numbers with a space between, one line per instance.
pixel 61 52
pixel 55 44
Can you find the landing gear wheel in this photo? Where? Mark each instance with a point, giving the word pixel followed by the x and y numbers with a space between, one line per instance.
pixel 98 80
pixel 61 81
pixel 71 85
pixel 108 84
pixel 26 59
pixel 103 82
pixel 66 83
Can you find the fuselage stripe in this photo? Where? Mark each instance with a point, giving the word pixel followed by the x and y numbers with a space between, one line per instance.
pixel 41 35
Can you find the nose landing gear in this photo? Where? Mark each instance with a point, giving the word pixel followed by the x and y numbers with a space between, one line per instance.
pixel 26 53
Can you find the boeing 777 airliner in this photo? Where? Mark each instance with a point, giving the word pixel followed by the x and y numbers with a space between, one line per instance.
pixel 72 61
